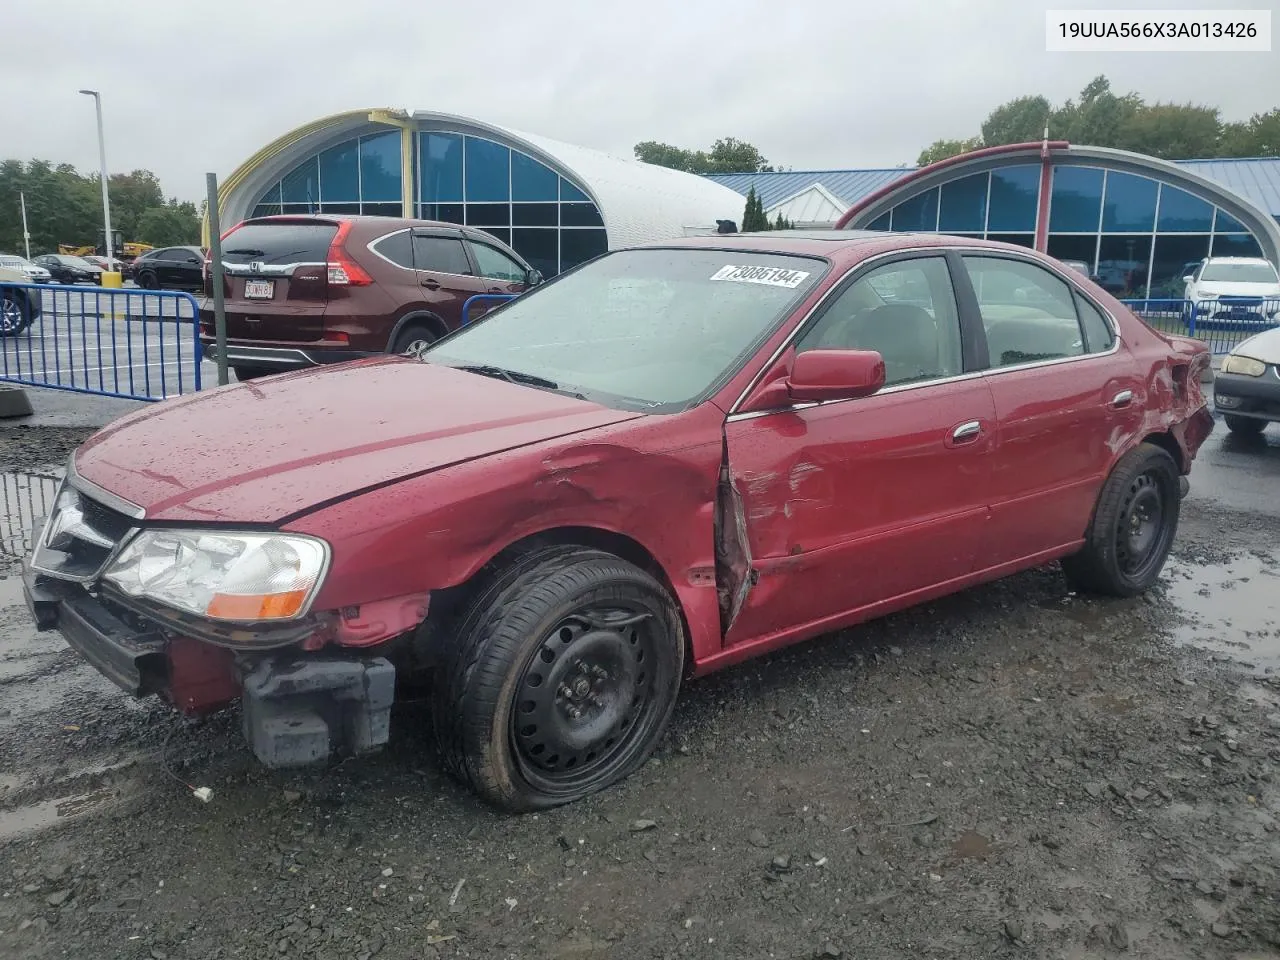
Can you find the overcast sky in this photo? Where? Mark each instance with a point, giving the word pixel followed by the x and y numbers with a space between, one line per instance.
pixel 191 87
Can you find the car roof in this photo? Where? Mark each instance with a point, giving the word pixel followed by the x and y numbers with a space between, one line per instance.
pixel 843 244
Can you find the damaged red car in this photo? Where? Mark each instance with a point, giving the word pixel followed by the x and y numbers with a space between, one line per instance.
pixel 663 462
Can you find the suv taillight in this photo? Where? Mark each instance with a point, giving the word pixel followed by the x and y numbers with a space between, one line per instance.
pixel 341 269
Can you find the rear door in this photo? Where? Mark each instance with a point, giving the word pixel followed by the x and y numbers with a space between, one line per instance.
pixel 446 273
pixel 276 278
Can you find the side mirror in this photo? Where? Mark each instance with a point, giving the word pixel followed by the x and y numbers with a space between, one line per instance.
pixel 835 375
pixel 1188 278
pixel 532 278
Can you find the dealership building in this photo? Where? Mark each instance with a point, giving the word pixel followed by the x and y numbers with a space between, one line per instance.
pixel 1137 221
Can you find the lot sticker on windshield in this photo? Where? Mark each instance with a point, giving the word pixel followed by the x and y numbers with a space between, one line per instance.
pixel 772 276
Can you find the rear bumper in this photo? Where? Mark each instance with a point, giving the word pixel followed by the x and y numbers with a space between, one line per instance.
pixel 297 706
pixel 1255 397
pixel 280 356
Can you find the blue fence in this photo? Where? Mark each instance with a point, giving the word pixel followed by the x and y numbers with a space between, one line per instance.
pixel 466 305
pixel 1221 323
pixel 133 344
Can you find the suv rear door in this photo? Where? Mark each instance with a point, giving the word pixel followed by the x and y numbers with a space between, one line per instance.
pixel 276 278
pixel 446 273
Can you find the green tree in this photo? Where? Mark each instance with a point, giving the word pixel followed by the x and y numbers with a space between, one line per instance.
pixel 170 225
pixel 1019 121
pixel 1259 136
pixel 1172 131
pixel 782 223
pixel 727 155
pixel 753 217
pixel 1099 118
pixel 942 149
pixel 132 194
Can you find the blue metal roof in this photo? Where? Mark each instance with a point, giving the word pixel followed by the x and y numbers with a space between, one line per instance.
pixel 1257 179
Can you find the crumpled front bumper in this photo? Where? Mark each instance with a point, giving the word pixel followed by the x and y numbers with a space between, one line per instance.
pixel 298 706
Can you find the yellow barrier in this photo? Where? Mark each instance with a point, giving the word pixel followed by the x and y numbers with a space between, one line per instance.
pixel 110 279
pixel 113 281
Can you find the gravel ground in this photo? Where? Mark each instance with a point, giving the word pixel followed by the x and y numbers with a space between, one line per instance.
pixel 1014 771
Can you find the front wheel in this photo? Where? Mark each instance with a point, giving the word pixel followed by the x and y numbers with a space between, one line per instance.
pixel 1244 426
pixel 13 314
pixel 1133 526
pixel 413 342
pixel 559 679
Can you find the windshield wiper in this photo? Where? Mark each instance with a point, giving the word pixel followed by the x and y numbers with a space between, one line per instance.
pixel 515 376
pixel 245 252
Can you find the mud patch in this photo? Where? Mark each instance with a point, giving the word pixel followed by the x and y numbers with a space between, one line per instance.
pixel 1231 609
pixel 35 817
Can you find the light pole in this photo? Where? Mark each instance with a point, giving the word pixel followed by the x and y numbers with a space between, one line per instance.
pixel 106 203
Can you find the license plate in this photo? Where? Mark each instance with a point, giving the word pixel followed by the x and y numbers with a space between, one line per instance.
pixel 259 289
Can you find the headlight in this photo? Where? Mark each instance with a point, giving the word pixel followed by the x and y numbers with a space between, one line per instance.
pixel 223 576
pixel 1234 363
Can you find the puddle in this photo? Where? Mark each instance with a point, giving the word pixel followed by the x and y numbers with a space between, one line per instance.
pixel 971 845
pixel 1232 609
pixel 39 816
pixel 24 497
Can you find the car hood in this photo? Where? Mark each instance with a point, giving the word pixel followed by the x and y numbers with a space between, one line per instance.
pixel 261 451
pixel 1239 289
pixel 1264 347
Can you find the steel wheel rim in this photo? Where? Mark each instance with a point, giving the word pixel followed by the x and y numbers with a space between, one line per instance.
pixel 587 694
pixel 10 315
pixel 416 349
pixel 1142 534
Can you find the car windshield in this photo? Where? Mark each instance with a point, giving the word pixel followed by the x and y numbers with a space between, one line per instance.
pixel 1239 273
pixel 653 329
pixel 12 262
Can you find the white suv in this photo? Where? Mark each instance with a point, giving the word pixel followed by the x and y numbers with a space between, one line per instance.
pixel 1233 288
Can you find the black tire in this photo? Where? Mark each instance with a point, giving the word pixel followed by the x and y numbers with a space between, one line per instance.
pixel 15 314
pixel 1133 526
pixel 413 339
pixel 148 280
pixel 243 372
pixel 558 680
pixel 1244 426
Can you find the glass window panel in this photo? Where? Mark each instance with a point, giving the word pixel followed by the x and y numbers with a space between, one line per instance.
pixel 489 214
pixel 1027 312
pixel 1130 203
pixel 272 194
pixel 531 180
pixel 340 173
pixel 1122 265
pixel 440 167
pixel 1226 223
pixel 964 205
pixel 1076 201
pixel 540 247
pixel 302 183
pixel 1018 239
pixel 440 255
pixel 580 215
pixel 920 213
pixel 535 214
pixel 493 264
pixel 500 233
pixel 1014 192
pixel 569 192
pixel 577 246
pixel 266 210
pixel 881 222
pixel 294 208
pixel 445 212
pixel 1098 334
pixel 488 170
pixel 380 167
pixel 1235 245
pixel 1181 212
pixel 381 209
pixel 1175 256
pixel 398 248
pixel 1074 247
pixel 339 208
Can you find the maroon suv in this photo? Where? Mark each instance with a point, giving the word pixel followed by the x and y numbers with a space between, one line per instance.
pixel 306 290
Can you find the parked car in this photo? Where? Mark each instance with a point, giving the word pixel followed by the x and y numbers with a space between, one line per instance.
pixel 666 461
pixel 112 265
pixel 1233 288
pixel 170 268
pixel 68 269
pixel 1247 388
pixel 19 307
pixel 324 289
pixel 32 273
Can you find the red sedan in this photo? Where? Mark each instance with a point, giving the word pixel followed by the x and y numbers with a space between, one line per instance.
pixel 663 462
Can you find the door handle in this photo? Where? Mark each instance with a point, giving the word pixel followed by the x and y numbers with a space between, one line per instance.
pixel 967 432
pixel 430 284
pixel 1122 399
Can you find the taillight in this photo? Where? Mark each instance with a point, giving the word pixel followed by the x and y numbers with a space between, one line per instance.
pixel 341 269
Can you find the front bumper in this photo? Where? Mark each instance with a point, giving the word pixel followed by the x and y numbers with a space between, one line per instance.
pixel 298 707
pixel 1254 397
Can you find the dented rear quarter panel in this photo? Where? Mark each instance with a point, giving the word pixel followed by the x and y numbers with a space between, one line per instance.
pixel 651 479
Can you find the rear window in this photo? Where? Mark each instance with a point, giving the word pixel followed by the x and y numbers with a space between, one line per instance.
pixel 279 243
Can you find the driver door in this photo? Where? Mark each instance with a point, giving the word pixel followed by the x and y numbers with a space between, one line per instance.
pixel 849 505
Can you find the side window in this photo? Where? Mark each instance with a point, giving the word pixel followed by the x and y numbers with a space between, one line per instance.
pixel 441 254
pixel 1028 313
pixel 496 265
pixel 168 254
pixel 905 310
pixel 398 248
pixel 1098 335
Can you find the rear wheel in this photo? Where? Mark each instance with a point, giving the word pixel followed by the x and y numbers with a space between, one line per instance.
pixel 559 679
pixel 13 314
pixel 148 280
pixel 413 341
pixel 243 372
pixel 1244 426
pixel 1133 526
